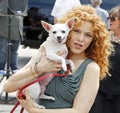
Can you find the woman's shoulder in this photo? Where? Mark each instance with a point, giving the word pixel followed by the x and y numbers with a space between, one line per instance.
pixel 93 68
pixel 92 73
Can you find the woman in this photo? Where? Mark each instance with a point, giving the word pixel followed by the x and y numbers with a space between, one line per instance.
pixel 108 98
pixel 89 49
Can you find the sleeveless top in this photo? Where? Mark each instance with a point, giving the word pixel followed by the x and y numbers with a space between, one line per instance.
pixel 64 89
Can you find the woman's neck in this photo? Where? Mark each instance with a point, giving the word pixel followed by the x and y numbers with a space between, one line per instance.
pixel 77 59
pixel 74 57
pixel 115 36
pixel 117 33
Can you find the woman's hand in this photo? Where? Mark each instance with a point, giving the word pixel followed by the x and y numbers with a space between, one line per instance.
pixel 27 103
pixel 46 65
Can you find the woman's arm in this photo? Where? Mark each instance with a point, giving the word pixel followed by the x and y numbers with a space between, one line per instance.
pixel 88 89
pixel 28 73
pixel 83 100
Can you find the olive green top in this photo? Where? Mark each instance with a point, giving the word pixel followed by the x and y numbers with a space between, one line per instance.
pixel 64 89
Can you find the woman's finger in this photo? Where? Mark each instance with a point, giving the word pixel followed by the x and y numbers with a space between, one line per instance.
pixel 27 95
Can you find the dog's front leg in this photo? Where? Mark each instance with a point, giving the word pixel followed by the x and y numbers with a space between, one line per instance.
pixel 69 62
pixel 55 57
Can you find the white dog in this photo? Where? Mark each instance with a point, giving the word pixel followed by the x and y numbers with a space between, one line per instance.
pixel 55 42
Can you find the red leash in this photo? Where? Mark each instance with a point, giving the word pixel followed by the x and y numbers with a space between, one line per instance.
pixel 22 96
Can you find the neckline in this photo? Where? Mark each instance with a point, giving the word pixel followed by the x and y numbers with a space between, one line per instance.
pixel 80 66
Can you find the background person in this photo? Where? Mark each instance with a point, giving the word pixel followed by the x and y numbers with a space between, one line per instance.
pixel 76 92
pixel 100 11
pixel 62 6
pixel 108 98
pixel 16 32
pixel 33 22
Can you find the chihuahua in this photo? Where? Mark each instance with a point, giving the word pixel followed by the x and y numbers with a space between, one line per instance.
pixel 56 41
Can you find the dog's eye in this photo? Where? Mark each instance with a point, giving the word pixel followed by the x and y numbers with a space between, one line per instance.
pixel 54 32
pixel 63 31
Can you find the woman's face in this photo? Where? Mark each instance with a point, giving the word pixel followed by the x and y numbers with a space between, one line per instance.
pixel 80 38
pixel 114 22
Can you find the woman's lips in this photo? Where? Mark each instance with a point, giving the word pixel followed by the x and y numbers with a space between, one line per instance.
pixel 78 46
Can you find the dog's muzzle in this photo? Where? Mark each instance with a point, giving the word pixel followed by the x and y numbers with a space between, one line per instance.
pixel 59 39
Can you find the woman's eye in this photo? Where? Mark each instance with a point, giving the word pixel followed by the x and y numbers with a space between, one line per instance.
pixel 77 31
pixel 88 35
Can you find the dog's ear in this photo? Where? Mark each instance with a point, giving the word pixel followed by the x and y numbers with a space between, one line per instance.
pixel 46 26
pixel 70 23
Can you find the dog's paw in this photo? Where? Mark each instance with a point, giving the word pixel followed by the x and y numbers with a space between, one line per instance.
pixel 72 69
pixel 43 96
pixel 72 66
pixel 51 98
pixel 39 106
pixel 64 67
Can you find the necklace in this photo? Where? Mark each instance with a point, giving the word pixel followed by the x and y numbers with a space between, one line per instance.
pixel 115 39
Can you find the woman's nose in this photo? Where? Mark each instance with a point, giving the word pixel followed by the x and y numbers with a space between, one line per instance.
pixel 81 37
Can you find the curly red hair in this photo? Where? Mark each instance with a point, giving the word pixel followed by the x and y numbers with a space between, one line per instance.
pixel 101 47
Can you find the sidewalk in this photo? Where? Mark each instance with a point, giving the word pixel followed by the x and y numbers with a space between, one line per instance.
pixel 4 108
pixel 7 105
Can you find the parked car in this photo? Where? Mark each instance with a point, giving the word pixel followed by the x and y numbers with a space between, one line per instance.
pixel 34 34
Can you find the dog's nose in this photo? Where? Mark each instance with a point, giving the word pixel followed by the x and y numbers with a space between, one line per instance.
pixel 58 37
